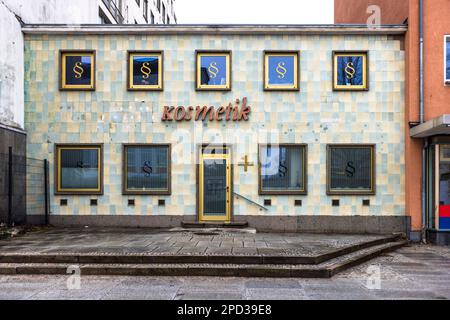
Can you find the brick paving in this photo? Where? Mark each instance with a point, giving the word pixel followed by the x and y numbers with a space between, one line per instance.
pixel 178 242
pixel 416 272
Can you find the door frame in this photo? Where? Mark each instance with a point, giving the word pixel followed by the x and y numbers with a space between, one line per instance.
pixel 230 209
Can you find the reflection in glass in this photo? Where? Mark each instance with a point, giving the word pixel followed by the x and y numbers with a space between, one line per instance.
pixel 350 70
pixel 145 70
pixel 351 169
pixel 78 70
pixel 79 169
pixel 215 187
pixel 147 168
pixel 282 168
pixel 213 70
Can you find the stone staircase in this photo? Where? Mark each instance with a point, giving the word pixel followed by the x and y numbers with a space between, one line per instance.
pixel 223 265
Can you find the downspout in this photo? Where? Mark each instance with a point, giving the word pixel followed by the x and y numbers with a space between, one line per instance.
pixel 422 120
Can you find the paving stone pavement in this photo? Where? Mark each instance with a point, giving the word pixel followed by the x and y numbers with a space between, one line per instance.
pixel 415 272
pixel 172 242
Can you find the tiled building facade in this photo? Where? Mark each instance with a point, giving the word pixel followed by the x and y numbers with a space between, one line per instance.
pixel 315 116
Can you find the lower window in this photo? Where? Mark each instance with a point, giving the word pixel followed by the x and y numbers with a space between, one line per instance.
pixel 79 169
pixel 282 169
pixel 147 169
pixel 351 170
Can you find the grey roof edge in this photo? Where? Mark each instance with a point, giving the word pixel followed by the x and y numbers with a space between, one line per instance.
pixel 439 125
pixel 241 29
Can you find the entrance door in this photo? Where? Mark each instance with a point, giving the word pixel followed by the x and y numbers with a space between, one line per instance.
pixel 215 184
pixel 444 188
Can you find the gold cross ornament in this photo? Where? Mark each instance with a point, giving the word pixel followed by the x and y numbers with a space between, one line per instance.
pixel 246 164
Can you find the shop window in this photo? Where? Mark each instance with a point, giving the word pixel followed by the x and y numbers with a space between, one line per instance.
pixel 79 169
pixel 351 170
pixel 147 170
pixel 447 60
pixel 282 169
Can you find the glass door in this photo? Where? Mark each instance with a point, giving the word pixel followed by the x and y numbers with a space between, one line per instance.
pixel 444 188
pixel 215 185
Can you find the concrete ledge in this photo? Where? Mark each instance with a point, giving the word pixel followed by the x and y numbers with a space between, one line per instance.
pixel 329 224
pixel 288 224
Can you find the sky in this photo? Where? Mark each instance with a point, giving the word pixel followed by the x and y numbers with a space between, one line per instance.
pixel 254 11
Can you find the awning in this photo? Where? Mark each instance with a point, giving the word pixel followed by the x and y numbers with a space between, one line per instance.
pixel 437 126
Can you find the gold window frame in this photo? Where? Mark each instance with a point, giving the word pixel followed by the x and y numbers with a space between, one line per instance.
pixel 269 192
pixel 77 53
pixel 271 87
pixel 353 192
pixel 365 69
pixel 127 191
pixel 225 155
pixel 81 191
pixel 160 85
pixel 198 82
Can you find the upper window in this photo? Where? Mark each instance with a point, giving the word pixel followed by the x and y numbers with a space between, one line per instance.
pixel 147 169
pixel 213 70
pixel 281 71
pixel 79 169
pixel 282 169
pixel 447 59
pixel 351 170
pixel 77 70
pixel 145 70
pixel 350 71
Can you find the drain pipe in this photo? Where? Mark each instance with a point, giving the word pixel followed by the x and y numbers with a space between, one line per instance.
pixel 422 119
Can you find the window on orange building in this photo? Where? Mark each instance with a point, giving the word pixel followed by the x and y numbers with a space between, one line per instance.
pixel 447 60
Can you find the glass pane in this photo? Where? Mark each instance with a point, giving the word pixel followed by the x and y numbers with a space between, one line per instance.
pixel 215 187
pixel 145 70
pixel 79 169
pixel 444 189
pixel 448 59
pixel 213 70
pixel 350 71
pixel 282 168
pixel 147 168
pixel 351 169
pixel 78 70
pixel 281 70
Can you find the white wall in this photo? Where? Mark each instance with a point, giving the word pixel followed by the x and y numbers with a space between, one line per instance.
pixel 48 12
pixel 12 48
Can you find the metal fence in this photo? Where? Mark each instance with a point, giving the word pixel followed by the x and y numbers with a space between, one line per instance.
pixel 23 189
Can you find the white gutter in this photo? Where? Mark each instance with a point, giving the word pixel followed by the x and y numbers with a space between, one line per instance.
pixel 214 29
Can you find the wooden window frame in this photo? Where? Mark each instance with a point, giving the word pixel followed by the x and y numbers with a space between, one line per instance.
pixel 198 55
pixel 130 192
pixel 267 86
pixel 365 85
pixel 304 191
pixel 131 86
pixel 86 191
pixel 350 192
pixel 62 70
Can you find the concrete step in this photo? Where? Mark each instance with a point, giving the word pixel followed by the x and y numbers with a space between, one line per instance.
pixel 198 224
pixel 195 258
pixel 323 270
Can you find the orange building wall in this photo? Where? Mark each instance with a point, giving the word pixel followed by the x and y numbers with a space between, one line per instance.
pixel 355 11
pixel 436 97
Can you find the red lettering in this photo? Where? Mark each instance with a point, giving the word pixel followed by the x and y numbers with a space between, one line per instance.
pixel 167 114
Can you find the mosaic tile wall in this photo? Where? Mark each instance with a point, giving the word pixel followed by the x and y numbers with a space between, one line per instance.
pixel 316 116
